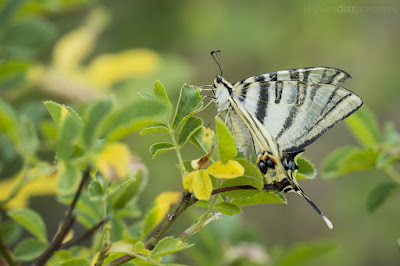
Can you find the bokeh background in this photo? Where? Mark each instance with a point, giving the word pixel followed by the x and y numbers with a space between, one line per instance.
pixel 75 51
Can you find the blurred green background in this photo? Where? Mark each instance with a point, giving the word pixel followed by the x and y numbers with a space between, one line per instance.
pixel 360 37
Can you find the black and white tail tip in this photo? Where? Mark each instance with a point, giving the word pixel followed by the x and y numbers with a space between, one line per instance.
pixel 326 220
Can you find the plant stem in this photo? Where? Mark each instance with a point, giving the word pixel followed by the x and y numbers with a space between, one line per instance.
pixel 66 226
pixel 178 153
pixel 5 252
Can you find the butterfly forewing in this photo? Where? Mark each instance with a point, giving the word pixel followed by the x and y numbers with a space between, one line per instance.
pixel 324 75
pixel 296 113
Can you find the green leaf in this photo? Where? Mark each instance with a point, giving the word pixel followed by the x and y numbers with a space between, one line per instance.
pixel 136 115
pixel 59 112
pixel 154 129
pixel 128 190
pixel 306 169
pixel 261 197
pixel 306 253
pixel 94 115
pixel 59 257
pixel 88 212
pixel 70 124
pixel 160 92
pixel 364 126
pixel 188 166
pixel 29 249
pixel 204 139
pixel 380 194
pixel 169 245
pixel 203 203
pixel 8 122
pixel 29 136
pixel 188 129
pixel 189 99
pixel 226 142
pixel 69 178
pixel 117 229
pixel 347 160
pixel 75 262
pixel 227 208
pixel 69 132
pixel 28 38
pixel 48 130
pixel 331 164
pixel 95 190
pixel 159 148
pixel 31 221
pixel 11 232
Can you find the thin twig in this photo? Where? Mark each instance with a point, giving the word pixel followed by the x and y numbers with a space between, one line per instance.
pixel 186 202
pixel 67 224
pixel 85 236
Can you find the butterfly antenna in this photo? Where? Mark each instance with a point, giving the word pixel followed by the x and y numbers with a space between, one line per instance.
pixel 214 54
pixel 326 220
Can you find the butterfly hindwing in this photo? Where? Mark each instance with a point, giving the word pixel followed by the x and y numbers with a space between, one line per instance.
pixel 324 75
pixel 296 113
pixel 242 134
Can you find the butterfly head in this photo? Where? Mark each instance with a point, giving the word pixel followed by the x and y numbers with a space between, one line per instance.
pixel 222 92
pixel 222 89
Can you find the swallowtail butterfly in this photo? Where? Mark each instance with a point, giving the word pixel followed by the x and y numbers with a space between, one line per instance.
pixel 280 113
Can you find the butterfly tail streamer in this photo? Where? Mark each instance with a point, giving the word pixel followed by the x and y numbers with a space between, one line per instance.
pixel 326 220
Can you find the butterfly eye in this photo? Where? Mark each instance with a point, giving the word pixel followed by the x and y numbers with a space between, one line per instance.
pixel 219 79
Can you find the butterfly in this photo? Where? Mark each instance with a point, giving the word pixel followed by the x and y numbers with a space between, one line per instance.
pixel 280 113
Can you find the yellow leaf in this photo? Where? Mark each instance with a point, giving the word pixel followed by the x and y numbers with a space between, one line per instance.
pixel 163 202
pixel 231 169
pixel 108 69
pixel 113 161
pixel 202 186
pixel 75 46
pixel 42 185
pixel 188 181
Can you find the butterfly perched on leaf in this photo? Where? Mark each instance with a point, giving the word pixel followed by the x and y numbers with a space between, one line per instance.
pixel 280 113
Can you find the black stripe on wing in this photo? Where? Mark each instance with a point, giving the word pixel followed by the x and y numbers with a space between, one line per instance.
pixel 323 75
pixel 308 142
